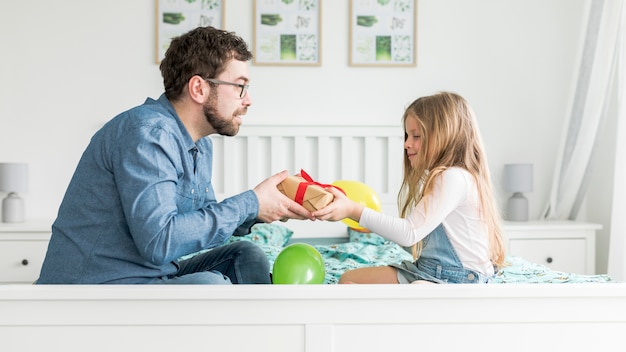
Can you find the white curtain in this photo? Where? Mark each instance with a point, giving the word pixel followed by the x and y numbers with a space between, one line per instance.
pixel 598 67
pixel 617 242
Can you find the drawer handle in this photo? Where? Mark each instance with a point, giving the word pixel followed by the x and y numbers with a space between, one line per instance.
pixel 549 260
pixel 24 262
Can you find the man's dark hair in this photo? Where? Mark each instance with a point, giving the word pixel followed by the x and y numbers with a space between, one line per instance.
pixel 203 51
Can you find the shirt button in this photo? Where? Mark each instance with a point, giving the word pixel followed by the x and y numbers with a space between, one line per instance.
pixel 193 191
pixel 206 190
pixel 470 277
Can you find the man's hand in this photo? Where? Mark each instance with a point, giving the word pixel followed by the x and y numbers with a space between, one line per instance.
pixel 273 205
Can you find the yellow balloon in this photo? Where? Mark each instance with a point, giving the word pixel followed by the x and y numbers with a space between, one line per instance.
pixel 361 193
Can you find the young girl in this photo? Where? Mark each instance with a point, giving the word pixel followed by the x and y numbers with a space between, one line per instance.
pixel 448 213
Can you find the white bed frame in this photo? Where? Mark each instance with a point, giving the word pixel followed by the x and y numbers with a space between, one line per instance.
pixel 313 318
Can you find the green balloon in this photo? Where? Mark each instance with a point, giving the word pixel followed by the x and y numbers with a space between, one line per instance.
pixel 299 263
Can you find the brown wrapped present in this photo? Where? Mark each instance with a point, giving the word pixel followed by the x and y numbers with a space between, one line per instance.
pixel 302 189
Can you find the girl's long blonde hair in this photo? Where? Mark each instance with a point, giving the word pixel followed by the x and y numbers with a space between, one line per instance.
pixel 449 137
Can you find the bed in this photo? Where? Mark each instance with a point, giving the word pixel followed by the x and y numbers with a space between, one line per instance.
pixel 360 249
pixel 526 307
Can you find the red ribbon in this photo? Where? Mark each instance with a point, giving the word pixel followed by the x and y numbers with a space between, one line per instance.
pixel 304 185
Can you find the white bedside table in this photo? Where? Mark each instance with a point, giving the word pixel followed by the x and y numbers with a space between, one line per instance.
pixel 22 250
pixel 567 246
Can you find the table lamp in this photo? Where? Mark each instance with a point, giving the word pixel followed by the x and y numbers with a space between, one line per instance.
pixel 13 179
pixel 518 178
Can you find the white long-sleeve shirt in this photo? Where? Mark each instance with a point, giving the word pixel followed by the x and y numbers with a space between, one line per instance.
pixel 455 203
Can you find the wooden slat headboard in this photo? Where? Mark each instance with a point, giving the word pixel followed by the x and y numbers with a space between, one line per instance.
pixel 369 154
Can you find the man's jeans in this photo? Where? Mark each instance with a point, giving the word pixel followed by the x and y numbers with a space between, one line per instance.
pixel 240 262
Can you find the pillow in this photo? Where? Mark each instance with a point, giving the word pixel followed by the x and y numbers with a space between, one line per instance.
pixel 270 234
pixel 367 237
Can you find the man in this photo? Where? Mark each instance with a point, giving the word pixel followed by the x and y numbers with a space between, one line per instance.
pixel 141 195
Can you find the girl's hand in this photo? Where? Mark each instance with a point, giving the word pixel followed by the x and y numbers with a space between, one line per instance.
pixel 340 208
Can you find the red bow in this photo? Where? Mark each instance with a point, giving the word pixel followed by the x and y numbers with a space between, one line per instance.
pixel 303 186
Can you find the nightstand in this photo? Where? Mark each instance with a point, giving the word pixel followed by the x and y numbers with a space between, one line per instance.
pixel 23 247
pixel 567 246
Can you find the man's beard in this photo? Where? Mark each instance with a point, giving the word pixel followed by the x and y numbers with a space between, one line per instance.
pixel 223 126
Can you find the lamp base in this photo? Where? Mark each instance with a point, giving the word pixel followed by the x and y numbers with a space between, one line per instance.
pixel 517 208
pixel 12 208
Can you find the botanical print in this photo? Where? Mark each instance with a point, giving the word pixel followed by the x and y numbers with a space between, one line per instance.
pixel 175 17
pixel 383 32
pixel 287 32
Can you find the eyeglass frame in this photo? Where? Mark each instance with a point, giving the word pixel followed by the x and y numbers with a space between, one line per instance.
pixel 244 87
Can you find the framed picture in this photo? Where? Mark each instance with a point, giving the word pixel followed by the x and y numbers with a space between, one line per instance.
pixel 383 32
pixel 287 32
pixel 175 17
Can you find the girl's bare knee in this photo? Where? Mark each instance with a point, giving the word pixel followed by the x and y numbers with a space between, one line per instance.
pixel 345 278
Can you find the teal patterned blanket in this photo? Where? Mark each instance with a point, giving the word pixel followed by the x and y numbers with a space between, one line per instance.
pixel 369 249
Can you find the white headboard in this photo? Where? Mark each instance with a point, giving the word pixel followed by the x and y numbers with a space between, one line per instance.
pixel 369 154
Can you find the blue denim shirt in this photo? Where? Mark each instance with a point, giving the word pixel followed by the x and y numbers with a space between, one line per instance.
pixel 140 198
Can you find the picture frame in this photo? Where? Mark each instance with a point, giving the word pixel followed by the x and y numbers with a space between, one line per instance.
pixel 175 17
pixel 383 33
pixel 287 32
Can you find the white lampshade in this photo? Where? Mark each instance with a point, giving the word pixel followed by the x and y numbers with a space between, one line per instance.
pixel 13 179
pixel 518 177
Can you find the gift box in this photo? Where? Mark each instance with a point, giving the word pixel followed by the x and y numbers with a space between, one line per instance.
pixel 302 189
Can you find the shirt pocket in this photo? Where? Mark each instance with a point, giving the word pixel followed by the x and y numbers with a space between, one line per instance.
pixel 192 196
pixel 205 194
pixel 187 196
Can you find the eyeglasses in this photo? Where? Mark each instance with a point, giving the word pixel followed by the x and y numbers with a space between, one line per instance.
pixel 244 87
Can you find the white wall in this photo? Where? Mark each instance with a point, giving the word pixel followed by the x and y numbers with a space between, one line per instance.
pixel 67 66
